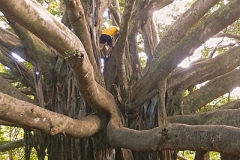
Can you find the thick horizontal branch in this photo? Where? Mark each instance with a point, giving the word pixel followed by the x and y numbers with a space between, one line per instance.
pixel 229 117
pixel 178 137
pixel 32 116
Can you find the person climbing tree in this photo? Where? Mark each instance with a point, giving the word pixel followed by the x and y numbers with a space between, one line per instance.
pixel 106 37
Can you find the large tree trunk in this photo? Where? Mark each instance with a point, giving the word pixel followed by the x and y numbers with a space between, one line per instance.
pixel 65 97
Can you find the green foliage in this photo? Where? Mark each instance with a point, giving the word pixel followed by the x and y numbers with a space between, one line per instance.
pixel 28 65
pixel 214 156
pixel 121 4
pixel 8 134
pixel 161 28
pixel 106 22
pixel 174 14
pixel 234 28
pixel 2 137
pixel 3 21
pixel 190 155
pixel 218 5
pixel 205 51
pixel 51 5
pixel 140 43
pixel 143 60
pixel 3 69
pixel 140 49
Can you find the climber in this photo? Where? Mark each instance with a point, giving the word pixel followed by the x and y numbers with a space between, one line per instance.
pixel 106 37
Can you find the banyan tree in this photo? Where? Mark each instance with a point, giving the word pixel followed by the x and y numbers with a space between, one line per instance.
pixel 73 106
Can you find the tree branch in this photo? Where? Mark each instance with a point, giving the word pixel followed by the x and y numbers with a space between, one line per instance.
pixel 6 88
pixel 178 137
pixel 211 90
pixel 115 10
pixel 12 145
pixel 229 117
pixel 68 46
pixel 169 60
pixel 45 25
pixel 229 35
pixel 125 22
pixel 78 21
pixel 38 52
pixel 180 28
pixel 32 116
pixel 232 105
pixel 18 71
pixel 12 42
pixel 196 73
